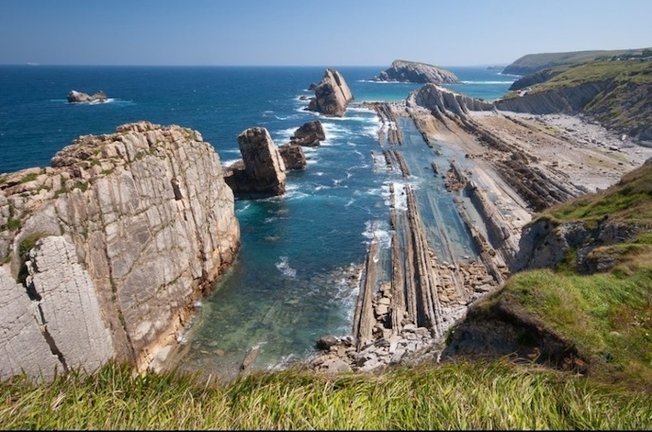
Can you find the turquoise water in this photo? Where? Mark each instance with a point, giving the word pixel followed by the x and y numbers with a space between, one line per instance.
pixel 290 283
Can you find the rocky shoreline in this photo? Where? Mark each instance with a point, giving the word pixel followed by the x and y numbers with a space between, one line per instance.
pixel 402 321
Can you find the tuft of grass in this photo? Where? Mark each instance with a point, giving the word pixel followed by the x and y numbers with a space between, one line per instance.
pixel 28 178
pixel 25 245
pixel 459 395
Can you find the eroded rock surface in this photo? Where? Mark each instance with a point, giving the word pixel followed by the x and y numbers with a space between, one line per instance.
pixel 80 97
pixel 261 172
pixel 141 220
pixel 310 134
pixel 332 95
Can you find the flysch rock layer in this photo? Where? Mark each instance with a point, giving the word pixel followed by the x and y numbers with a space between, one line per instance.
pixel 141 220
pixel 332 95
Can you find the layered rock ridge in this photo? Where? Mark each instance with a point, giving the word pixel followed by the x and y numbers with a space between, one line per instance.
pixel 106 252
pixel 332 95
pixel 261 172
pixel 408 71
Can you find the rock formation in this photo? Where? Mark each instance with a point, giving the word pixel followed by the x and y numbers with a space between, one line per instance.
pixel 293 156
pixel 80 97
pixel 106 252
pixel 332 95
pixel 310 134
pixel 438 100
pixel 407 71
pixel 261 172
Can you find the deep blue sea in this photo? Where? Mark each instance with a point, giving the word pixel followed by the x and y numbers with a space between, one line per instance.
pixel 289 283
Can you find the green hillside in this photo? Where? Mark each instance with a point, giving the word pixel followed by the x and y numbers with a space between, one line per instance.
pixel 532 63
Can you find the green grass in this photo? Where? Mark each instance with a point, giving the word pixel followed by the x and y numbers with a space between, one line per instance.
pixel 607 315
pixel 639 72
pixel 451 396
pixel 629 201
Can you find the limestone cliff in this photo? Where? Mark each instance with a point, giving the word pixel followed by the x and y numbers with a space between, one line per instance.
pixel 332 95
pixel 106 251
pixel 407 71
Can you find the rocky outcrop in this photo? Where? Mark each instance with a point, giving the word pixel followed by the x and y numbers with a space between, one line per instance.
pixel 407 71
pixel 310 134
pixel 261 172
pixel 439 100
pixel 293 156
pixel 106 252
pixel 545 243
pixel 332 95
pixel 80 97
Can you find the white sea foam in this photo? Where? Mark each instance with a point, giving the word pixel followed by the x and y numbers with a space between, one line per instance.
pixel 377 229
pixel 284 267
pixel 228 162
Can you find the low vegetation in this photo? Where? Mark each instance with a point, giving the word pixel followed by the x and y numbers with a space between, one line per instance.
pixel 451 396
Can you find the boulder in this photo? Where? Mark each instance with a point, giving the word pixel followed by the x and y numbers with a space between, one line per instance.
pixel 293 156
pixel 81 97
pixel 310 134
pixel 332 95
pixel 261 171
pixel 325 342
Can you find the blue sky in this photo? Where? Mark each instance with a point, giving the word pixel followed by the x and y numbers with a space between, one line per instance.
pixel 310 32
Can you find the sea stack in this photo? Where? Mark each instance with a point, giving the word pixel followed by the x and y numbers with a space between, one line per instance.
pixel 408 71
pixel 80 97
pixel 332 95
pixel 261 172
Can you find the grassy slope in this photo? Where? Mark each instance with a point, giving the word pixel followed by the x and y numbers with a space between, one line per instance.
pixel 531 63
pixel 608 315
pixel 453 396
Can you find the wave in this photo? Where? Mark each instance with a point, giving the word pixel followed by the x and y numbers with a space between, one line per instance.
pixel 379 230
pixel 284 267
pixel 387 82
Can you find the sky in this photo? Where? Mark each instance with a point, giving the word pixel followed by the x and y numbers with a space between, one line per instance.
pixel 312 32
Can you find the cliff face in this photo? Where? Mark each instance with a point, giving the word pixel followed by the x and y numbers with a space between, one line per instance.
pixel 106 252
pixel 439 99
pixel 567 100
pixel 332 95
pixel 407 71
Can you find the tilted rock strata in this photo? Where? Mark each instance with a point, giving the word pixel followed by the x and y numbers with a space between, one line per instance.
pixel 407 71
pixel 439 100
pixel 151 222
pixel 261 172
pixel 332 95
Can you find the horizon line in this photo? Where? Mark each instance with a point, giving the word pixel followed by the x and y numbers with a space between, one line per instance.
pixel 35 64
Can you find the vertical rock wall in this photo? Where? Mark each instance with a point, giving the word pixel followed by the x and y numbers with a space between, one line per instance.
pixel 146 223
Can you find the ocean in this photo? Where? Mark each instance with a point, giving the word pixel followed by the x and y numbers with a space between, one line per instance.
pixel 290 283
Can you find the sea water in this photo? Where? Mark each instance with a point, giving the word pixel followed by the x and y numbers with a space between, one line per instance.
pixel 291 280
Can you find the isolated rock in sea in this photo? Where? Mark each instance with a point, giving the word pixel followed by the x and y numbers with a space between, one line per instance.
pixel 106 252
pixel 293 156
pixel 80 97
pixel 261 171
pixel 439 100
pixel 310 134
pixel 332 95
pixel 407 71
